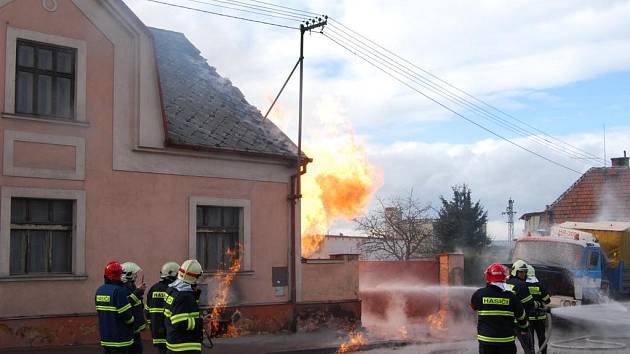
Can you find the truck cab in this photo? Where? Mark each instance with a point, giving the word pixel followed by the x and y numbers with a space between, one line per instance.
pixel 569 262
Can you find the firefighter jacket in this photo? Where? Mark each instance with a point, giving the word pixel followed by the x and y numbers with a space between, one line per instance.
pixel 497 310
pixel 115 315
pixel 541 298
pixel 135 299
pixel 154 310
pixel 184 331
pixel 519 288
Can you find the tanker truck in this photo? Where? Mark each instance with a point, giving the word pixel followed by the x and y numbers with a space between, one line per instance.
pixel 580 262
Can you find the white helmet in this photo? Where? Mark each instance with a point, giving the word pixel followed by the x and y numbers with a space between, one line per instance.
pixel 531 272
pixel 519 266
pixel 190 271
pixel 169 269
pixel 130 272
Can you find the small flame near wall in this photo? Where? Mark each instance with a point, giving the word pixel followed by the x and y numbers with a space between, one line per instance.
pixel 355 341
pixel 219 303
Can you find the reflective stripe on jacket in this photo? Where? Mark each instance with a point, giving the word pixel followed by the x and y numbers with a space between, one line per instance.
pixel 182 320
pixel 154 310
pixel 115 315
pixel 497 311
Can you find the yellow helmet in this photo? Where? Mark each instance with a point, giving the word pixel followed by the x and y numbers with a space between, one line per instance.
pixel 531 272
pixel 190 271
pixel 169 269
pixel 518 266
pixel 130 272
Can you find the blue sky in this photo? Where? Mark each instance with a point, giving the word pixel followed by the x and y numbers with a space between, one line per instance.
pixel 580 107
pixel 562 66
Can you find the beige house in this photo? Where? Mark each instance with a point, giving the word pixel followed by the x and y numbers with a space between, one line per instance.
pixel 121 142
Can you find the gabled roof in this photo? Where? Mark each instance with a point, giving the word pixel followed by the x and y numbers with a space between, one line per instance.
pixel 204 111
pixel 600 193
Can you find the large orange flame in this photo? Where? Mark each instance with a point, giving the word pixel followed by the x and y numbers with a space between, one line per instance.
pixel 339 181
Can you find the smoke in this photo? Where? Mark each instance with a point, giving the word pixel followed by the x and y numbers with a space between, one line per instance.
pixel 400 310
pixel 611 207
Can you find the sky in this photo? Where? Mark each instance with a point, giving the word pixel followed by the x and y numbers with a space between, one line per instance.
pixel 562 67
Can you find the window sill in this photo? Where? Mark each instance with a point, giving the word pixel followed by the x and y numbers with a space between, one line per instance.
pixel 40 277
pixel 45 120
pixel 215 274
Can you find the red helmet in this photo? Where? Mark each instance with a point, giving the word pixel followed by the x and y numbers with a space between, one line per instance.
pixel 496 272
pixel 113 271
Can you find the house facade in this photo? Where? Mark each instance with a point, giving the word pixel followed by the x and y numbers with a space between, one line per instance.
pixel 119 142
pixel 600 194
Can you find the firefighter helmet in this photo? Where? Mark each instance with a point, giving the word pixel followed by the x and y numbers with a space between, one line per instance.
pixel 190 271
pixel 496 272
pixel 113 271
pixel 531 272
pixel 169 269
pixel 130 272
pixel 518 266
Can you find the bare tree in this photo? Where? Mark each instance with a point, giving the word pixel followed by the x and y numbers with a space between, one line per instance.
pixel 399 228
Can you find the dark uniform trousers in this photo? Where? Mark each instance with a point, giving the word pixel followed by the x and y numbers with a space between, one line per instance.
pixel 520 289
pixel 538 317
pixel 135 299
pixel 125 350
pixel 509 348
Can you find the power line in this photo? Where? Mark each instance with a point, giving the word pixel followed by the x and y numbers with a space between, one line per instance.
pixel 237 6
pixel 307 13
pixel 351 40
pixel 464 92
pixel 223 15
pixel 420 80
pixel 452 110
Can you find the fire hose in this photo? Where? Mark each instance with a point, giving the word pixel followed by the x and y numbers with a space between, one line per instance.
pixel 548 327
pixel 606 345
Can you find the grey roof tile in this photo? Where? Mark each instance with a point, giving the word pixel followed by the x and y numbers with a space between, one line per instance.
pixel 204 110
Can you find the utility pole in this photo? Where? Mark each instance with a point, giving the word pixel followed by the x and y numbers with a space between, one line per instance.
pixel 509 211
pixel 296 193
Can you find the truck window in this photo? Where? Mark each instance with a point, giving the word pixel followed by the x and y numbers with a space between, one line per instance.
pixel 593 259
pixel 561 254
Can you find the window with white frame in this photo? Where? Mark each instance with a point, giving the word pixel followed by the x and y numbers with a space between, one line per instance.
pixel 45 77
pixel 218 234
pixel 45 80
pixel 41 236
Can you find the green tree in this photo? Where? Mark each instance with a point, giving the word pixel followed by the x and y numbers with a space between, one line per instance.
pixel 461 224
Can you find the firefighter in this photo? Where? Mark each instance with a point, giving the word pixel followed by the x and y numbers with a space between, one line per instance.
pixel 154 308
pixel 541 299
pixel 517 284
pixel 130 274
pixel 184 331
pixel 115 316
pixel 497 310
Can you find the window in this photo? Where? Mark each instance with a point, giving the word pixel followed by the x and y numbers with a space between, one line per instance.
pixel 593 259
pixel 45 80
pixel 41 236
pixel 218 230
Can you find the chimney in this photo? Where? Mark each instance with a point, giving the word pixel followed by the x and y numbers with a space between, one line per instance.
pixel 620 161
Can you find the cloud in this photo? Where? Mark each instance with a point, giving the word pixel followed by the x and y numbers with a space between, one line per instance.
pixel 495 50
pixel 494 170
